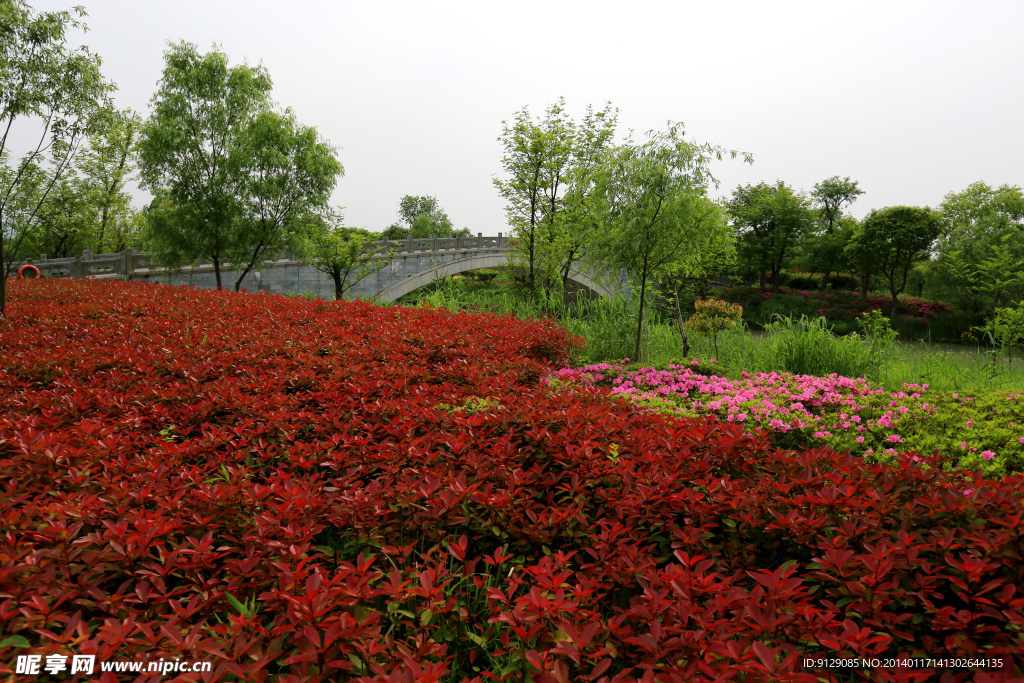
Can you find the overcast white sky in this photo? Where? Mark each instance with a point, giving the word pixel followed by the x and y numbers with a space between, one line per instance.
pixel 912 99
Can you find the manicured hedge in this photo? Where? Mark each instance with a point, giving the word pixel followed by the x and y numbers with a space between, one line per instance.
pixel 304 490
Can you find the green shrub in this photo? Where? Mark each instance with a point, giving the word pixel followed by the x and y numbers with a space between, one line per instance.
pixel 844 281
pixel 804 281
pixel 712 317
pixel 981 431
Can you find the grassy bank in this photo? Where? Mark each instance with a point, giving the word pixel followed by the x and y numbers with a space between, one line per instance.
pixel 609 328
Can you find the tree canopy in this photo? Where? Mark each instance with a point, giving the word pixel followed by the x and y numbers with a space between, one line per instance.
pixel 982 244
pixel 771 221
pixel 236 174
pixel 191 147
pixel 42 83
pixel 893 239
pixel 286 173
pixel 421 217
pixel 548 163
pixel 650 207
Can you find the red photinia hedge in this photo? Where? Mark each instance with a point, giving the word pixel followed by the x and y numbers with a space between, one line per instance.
pixel 304 490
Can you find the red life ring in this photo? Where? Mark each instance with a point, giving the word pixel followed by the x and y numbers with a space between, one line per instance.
pixel 32 271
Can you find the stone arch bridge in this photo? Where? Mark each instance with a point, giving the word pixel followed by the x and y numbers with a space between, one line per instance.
pixel 413 263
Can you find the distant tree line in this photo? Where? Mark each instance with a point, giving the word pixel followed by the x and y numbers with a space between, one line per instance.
pixel 574 194
pixel 237 179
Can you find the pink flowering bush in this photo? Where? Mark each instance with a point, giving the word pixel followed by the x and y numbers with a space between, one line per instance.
pixel 985 431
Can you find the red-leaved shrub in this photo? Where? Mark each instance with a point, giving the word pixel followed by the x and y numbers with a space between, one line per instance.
pixel 304 490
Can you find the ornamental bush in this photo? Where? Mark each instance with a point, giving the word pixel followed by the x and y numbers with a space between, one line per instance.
pixel 712 317
pixel 322 491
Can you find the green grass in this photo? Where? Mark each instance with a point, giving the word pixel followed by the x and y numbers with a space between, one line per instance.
pixel 796 345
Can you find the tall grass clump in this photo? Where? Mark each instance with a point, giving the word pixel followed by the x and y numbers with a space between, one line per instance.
pixel 807 346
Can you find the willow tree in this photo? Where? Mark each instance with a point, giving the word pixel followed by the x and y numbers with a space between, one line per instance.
pixel 650 207
pixel 55 90
pixel 191 148
pixel 547 163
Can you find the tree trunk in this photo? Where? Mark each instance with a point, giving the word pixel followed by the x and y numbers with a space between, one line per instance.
pixel 339 291
pixel 103 229
pixel 255 255
pixel 640 315
pixel 865 284
pixel 216 270
pixel 761 282
pixel 3 277
pixel 679 321
pixel 895 307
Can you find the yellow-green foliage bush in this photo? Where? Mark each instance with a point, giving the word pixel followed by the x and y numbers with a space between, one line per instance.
pixel 712 317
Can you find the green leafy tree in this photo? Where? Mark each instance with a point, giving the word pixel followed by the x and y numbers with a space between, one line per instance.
pixel 346 255
pixel 981 224
pixel 67 219
pixel 46 85
pixel 649 203
pixel 893 239
pixel 395 232
pixel 107 166
pixel 824 246
pixel 990 279
pixel 549 163
pixel 712 252
pixel 286 173
pixel 191 147
pixel 567 227
pixel 771 221
pixel 421 217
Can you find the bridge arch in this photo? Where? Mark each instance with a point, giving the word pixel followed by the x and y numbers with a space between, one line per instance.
pixel 425 277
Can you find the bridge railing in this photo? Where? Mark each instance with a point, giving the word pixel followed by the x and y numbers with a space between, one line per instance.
pixel 122 264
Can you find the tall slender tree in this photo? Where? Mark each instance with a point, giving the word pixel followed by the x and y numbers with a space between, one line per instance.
pixel 45 84
pixel 546 162
pixel 651 208
pixel 825 246
pixel 190 147
pixel 106 166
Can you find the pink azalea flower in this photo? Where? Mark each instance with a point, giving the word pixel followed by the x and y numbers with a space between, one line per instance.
pixel 860 439
pixel 987 454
